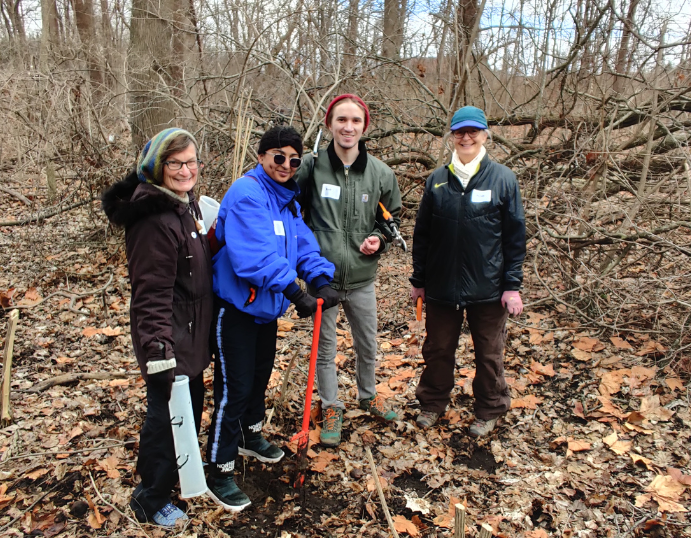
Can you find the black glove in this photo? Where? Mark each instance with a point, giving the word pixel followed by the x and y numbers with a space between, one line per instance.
pixel 329 295
pixel 305 304
pixel 163 381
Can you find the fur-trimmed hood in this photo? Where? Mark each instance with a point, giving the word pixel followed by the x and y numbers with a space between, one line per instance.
pixel 130 200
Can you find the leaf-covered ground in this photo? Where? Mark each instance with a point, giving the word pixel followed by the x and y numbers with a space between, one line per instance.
pixel 597 443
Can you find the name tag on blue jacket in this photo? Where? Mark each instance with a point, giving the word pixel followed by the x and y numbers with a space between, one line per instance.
pixel 480 196
pixel 278 227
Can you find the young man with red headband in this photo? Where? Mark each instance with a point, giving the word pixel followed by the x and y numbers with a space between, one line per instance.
pixel 341 189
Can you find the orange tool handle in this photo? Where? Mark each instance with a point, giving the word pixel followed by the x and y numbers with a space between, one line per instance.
pixel 387 215
pixel 418 309
pixel 313 366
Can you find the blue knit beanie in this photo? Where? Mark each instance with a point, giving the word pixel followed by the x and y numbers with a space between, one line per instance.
pixel 150 164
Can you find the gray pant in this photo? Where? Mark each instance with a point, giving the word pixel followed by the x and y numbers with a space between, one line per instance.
pixel 360 307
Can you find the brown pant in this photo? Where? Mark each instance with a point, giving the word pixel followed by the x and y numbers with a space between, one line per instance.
pixel 488 328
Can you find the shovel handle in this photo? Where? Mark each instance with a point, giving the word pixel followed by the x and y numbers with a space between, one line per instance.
pixel 312 366
pixel 418 309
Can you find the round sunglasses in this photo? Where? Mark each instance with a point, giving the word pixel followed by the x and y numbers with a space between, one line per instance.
pixel 280 159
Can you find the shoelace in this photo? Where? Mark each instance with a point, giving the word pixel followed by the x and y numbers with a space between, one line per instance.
pixel 330 419
pixel 377 404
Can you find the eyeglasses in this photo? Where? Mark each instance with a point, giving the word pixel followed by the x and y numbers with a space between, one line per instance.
pixel 471 133
pixel 280 159
pixel 177 165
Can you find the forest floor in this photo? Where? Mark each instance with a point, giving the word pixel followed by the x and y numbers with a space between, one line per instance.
pixel 596 444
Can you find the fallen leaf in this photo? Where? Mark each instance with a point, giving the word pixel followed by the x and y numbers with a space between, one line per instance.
pixel 616 445
pixel 91 331
pixel 6 297
pixel 578 446
pixel 679 476
pixel 620 343
pixel 322 461
pixel 583 356
pixel 528 402
pixel 651 347
pixel 542 369
pixel 416 504
pixel 637 458
pixel 666 486
pixel 401 524
pixel 675 383
pixel 652 410
pixel 537 533
pixel 32 295
pixel 117 331
pixel 585 343
pixel 285 325
pixel 33 475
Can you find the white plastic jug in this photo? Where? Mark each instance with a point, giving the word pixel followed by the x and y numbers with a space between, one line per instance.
pixel 209 208
pixel 190 468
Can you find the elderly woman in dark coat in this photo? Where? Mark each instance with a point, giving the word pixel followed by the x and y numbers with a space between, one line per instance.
pixel 172 301
pixel 468 251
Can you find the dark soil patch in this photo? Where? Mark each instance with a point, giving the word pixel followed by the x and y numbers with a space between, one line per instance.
pixel 412 481
pixel 477 458
pixel 277 506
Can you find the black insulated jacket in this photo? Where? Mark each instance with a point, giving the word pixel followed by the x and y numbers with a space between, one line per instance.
pixel 469 244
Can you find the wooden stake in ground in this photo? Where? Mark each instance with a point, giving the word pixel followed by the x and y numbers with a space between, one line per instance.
pixel 373 467
pixel 5 413
pixel 459 522
pixel 486 531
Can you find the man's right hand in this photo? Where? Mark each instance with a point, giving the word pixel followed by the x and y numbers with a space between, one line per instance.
pixel 417 292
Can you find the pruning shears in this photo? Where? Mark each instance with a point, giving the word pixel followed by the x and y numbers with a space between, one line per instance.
pixel 388 227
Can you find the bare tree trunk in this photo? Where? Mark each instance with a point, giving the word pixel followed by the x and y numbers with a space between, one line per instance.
pixel 394 21
pixel 50 33
pixel 623 60
pixel 155 64
pixel 84 16
pixel 352 34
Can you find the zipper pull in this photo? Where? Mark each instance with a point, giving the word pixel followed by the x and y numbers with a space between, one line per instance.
pixel 189 327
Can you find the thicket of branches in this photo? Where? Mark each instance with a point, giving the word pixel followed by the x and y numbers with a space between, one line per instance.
pixel 588 103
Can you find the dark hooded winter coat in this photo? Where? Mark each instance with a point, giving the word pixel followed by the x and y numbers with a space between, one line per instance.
pixel 171 275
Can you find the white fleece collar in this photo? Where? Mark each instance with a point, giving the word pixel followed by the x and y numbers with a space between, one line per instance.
pixel 464 172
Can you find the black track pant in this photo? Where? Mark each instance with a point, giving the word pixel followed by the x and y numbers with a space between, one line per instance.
pixel 245 352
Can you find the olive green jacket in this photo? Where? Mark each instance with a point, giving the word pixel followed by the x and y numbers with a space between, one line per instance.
pixel 341 206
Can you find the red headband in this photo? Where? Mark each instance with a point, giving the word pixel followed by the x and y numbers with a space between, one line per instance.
pixel 354 98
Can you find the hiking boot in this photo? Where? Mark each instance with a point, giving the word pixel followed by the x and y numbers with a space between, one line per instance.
pixel 426 419
pixel 332 422
pixel 225 492
pixel 169 515
pixel 481 427
pixel 255 445
pixel 376 407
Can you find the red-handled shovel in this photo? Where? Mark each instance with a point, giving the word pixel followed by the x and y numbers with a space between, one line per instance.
pixel 302 437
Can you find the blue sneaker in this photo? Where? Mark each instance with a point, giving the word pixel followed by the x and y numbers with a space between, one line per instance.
pixel 169 515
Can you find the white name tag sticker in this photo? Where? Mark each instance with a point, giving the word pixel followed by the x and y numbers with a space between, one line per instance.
pixel 278 227
pixel 478 197
pixel 331 191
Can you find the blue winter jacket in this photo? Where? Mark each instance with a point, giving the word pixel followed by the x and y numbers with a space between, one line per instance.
pixel 267 246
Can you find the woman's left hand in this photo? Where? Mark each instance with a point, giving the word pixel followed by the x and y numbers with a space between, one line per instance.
pixel 511 300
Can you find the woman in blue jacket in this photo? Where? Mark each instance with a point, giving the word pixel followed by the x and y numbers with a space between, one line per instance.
pixel 265 246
